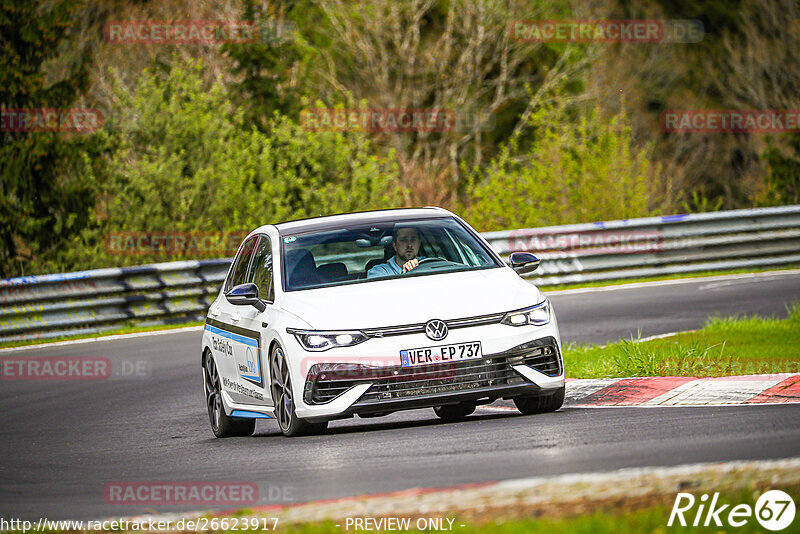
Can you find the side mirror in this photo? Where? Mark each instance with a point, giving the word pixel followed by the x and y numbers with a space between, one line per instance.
pixel 245 295
pixel 524 262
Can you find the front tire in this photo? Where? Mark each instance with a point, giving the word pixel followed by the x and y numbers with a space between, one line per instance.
pixel 283 397
pixel 535 405
pixel 222 425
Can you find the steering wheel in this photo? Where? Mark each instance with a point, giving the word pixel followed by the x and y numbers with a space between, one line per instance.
pixel 428 261
pixel 433 262
pixel 432 258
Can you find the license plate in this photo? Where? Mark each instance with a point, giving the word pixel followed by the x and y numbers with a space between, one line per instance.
pixel 441 354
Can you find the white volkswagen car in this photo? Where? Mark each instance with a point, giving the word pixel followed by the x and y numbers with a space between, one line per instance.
pixel 371 313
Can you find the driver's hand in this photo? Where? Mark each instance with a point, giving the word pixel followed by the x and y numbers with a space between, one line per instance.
pixel 410 264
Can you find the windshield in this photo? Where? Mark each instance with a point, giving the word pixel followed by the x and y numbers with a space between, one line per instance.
pixel 371 252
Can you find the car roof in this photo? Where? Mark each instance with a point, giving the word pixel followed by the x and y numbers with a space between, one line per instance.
pixel 330 222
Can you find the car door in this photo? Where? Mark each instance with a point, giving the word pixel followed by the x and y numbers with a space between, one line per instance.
pixel 253 368
pixel 228 343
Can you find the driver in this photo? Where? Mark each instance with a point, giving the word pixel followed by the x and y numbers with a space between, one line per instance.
pixel 406 246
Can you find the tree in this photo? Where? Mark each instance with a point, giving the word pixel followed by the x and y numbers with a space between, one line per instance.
pixel 262 69
pixel 747 60
pixel 44 197
pixel 188 160
pixel 453 55
pixel 581 167
pixel 783 165
pixel 760 71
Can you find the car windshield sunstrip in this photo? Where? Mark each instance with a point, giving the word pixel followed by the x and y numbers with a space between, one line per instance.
pixel 379 251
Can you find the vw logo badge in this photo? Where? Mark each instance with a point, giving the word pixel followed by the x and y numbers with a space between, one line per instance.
pixel 436 329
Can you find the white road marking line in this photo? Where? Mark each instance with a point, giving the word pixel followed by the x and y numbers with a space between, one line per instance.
pixel 715 285
pixel 648 338
pixel 498 408
pixel 105 338
pixel 638 285
pixel 662 336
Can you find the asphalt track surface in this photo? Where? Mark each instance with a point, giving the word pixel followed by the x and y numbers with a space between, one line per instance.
pixel 62 441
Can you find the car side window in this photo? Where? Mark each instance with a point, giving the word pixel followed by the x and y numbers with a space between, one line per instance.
pixel 434 245
pixel 239 270
pixel 261 274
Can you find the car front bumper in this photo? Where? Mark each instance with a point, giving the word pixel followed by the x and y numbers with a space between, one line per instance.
pixel 514 364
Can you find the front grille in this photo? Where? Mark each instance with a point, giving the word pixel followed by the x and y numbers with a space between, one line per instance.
pixel 541 354
pixel 325 382
pixel 387 331
pixel 461 376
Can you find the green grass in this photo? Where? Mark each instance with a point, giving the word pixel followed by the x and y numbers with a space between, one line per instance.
pixel 723 347
pixel 628 516
pixel 650 520
pixel 641 514
pixel 128 329
pixel 637 512
pixel 701 274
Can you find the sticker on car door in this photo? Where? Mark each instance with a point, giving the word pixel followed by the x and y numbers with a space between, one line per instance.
pixel 246 348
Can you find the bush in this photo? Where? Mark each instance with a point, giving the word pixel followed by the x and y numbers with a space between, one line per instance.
pixel 575 170
pixel 782 185
pixel 186 160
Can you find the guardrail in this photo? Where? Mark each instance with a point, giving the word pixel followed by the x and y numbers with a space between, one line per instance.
pixel 85 302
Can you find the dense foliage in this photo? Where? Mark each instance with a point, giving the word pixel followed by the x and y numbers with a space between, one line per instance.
pixel 44 199
pixel 578 170
pixel 187 160
pixel 209 137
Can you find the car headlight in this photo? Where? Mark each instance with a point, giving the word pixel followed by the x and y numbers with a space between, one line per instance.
pixel 535 315
pixel 317 340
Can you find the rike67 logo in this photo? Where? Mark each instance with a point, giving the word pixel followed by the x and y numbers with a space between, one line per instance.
pixel 774 510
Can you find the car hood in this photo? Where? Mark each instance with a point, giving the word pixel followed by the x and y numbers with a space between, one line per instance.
pixel 412 300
